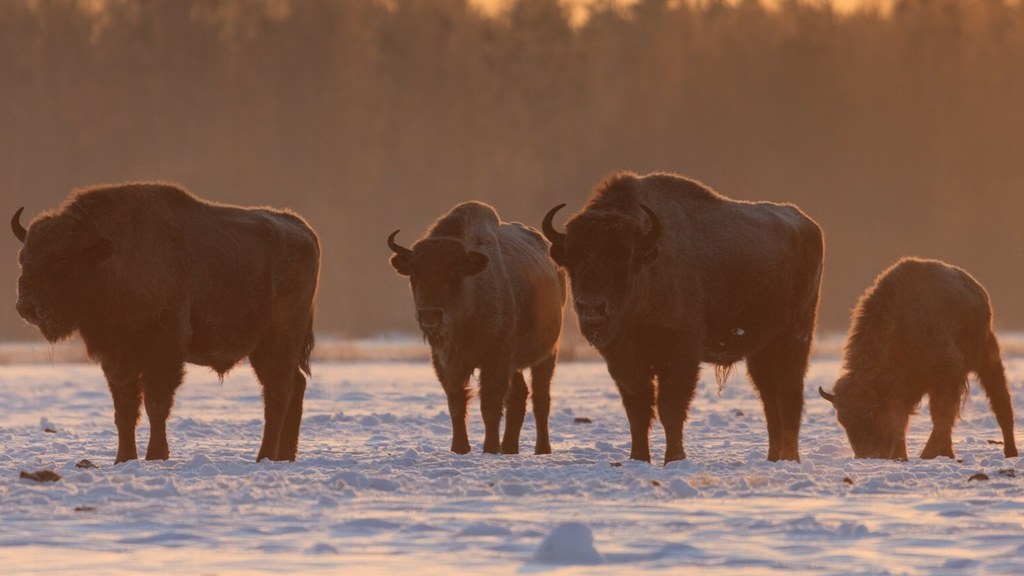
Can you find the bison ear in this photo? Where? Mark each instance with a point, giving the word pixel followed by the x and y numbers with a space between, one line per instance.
pixel 401 264
pixel 474 264
pixel 99 251
pixel 557 252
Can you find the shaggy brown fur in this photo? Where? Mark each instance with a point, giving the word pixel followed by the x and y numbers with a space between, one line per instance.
pixel 920 329
pixel 667 274
pixel 153 277
pixel 487 296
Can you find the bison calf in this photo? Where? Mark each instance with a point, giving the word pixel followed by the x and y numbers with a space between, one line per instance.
pixel 487 296
pixel 920 329
pixel 153 277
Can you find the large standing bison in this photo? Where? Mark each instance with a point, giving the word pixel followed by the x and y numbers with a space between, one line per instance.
pixel 919 330
pixel 667 274
pixel 153 277
pixel 487 296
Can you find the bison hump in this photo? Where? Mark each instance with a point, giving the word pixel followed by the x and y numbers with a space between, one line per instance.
pixel 466 221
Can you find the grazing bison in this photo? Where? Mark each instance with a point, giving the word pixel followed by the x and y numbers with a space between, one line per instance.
pixel 919 330
pixel 153 277
pixel 487 296
pixel 667 274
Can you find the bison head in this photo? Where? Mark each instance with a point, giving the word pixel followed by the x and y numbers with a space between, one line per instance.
pixel 602 252
pixel 58 258
pixel 437 269
pixel 875 428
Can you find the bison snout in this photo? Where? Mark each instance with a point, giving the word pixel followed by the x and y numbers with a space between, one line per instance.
pixel 592 309
pixel 27 309
pixel 430 318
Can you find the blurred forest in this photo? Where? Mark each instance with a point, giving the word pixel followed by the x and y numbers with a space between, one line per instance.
pixel 901 132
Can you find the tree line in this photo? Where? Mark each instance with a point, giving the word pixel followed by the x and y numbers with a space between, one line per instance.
pixel 900 131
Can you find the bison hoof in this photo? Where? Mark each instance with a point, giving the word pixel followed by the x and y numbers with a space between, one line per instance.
pixel 1010 452
pixel 510 449
pixel 932 454
pixel 643 457
pixel 543 449
pixel 791 455
pixel 461 448
pixel 675 456
pixel 262 457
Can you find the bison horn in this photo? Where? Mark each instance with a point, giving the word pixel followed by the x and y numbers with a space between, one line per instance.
pixel 651 238
pixel 396 247
pixel 19 230
pixel 553 236
pixel 830 397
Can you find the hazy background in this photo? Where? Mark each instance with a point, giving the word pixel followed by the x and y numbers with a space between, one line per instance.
pixel 900 131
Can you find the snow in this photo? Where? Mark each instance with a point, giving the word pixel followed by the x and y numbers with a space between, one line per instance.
pixel 568 544
pixel 375 489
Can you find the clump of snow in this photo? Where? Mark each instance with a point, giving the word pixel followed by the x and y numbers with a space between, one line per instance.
pixel 321 548
pixel 682 488
pixel 570 543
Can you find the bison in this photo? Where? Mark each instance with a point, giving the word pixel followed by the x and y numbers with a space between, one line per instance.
pixel 152 277
pixel 487 296
pixel 667 274
pixel 920 329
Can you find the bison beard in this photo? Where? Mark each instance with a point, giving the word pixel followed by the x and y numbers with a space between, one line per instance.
pixel 153 277
pixel 487 296
pixel 667 274
pixel 920 329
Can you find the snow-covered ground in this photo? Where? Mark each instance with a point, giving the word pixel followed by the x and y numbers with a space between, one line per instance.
pixel 375 489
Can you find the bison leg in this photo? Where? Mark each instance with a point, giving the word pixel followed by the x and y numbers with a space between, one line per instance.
pixel 540 385
pixel 630 368
pixel 640 412
pixel 993 382
pixel 127 395
pixel 943 403
pixel 677 382
pixel 456 387
pixel 494 381
pixel 777 371
pixel 638 400
pixel 276 372
pixel 288 446
pixel 159 385
pixel 515 413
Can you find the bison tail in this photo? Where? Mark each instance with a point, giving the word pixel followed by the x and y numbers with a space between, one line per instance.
pixel 988 362
pixel 992 376
pixel 307 349
pixel 990 371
